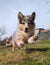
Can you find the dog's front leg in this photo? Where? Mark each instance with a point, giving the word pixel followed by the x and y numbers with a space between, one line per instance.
pixel 13 45
pixel 34 37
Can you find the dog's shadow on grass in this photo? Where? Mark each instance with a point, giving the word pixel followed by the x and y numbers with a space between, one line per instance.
pixel 30 50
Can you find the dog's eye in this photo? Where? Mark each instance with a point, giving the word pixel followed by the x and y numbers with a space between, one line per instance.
pixel 23 23
pixel 23 19
pixel 28 22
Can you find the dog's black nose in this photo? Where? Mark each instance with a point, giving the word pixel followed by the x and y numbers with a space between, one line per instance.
pixel 26 30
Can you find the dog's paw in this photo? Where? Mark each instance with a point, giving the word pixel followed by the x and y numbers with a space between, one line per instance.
pixel 32 39
pixel 20 44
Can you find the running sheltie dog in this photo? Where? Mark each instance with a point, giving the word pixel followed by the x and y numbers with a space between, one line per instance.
pixel 25 31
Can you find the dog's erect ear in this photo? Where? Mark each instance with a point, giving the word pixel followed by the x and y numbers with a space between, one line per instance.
pixel 20 16
pixel 33 16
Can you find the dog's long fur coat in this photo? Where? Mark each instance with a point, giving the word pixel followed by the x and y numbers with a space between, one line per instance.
pixel 26 30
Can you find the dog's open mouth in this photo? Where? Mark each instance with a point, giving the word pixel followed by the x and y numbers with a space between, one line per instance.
pixel 26 30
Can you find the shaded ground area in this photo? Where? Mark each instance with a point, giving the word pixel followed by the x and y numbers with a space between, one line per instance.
pixel 33 54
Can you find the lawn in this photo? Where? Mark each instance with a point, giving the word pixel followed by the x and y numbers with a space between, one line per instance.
pixel 31 54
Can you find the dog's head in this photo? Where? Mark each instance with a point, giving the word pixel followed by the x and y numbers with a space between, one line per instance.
pixel 26 23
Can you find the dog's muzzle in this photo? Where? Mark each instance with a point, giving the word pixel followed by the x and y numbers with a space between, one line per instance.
pixel 26 30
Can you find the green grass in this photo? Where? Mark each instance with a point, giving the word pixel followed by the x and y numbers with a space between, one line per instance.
pixel 31 54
